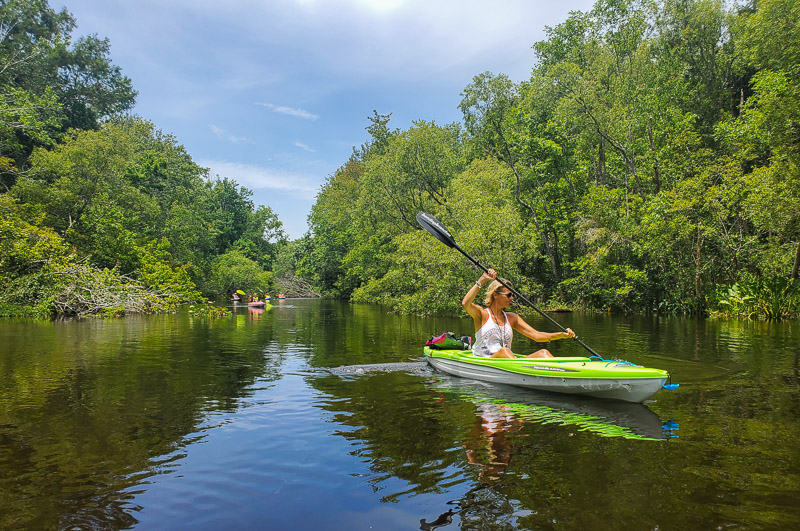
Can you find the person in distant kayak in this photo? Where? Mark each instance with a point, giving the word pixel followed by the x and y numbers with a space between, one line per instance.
pixel 494 327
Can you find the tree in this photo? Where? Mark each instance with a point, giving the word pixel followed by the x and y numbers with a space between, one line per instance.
pixel 771 121
pixel 425 277
pixel 333 230
pixel 234 271
pixel 488 104
pixel 412 172
pixel 695 37
pixel 82 189
pixel 651 160
pixel 90 87
pixel 29 255
pixel 48 84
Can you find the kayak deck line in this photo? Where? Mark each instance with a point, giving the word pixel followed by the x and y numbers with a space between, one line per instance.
pixel 619 380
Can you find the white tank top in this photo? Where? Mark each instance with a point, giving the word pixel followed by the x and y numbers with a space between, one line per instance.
pixel 491 337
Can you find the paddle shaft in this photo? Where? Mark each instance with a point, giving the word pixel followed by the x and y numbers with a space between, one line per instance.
pixel 435 227
pixel 525 300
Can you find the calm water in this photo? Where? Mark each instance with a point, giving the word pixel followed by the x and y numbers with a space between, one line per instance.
pixel 174 422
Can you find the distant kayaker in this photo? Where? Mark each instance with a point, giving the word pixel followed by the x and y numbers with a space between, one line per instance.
pixel 494 327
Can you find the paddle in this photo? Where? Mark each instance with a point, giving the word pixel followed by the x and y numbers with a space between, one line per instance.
pixel 435 227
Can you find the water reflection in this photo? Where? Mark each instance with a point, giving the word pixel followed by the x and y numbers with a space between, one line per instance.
pixel 181 422
pixel 489 445
pixel 453 431
pixel 509 406
pixel 399 430
pixel 91 409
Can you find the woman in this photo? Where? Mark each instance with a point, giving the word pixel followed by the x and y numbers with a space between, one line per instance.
pixel 494 327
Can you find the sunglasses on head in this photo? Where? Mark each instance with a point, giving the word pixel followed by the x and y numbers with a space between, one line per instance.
pixel 506 293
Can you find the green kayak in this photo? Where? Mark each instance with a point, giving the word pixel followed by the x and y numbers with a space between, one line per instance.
pixel 614 379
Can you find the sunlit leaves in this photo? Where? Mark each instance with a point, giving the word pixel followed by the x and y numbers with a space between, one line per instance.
pixel 234 271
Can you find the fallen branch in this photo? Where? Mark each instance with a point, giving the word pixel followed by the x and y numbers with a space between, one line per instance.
pixel 90 291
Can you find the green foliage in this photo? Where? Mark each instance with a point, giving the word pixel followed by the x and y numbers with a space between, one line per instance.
pixel 287 260
pixel 234 271
pixel 26 247
pixel 48 83
pixel 103 214
pixel 29 256
pixel 422 279
pixel 651 158
pixel 41 276
pixel 90 87
pixel 332 222
pixel 615 287
pixel 776 298
pixel 81 189
pixel 156 272
pixel 771 36
pixel 32 115
pixel 425 277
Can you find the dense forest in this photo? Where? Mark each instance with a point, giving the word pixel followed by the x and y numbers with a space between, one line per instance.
pixel 651 163
pixel 100 212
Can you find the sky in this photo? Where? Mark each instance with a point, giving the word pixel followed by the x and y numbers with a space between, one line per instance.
pixel 276 93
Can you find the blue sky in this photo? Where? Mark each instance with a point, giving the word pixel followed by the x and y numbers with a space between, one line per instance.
pixel 275 94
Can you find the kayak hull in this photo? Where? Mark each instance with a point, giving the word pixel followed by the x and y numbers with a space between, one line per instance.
pixel 576 376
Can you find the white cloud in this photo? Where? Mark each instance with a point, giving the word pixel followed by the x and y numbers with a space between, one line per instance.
pixel 221 133
pixel 290 111
pixel 259 177
pixel 318 46
pixel 380 6
pixel 393 39
pixel 304 147
pixel 326 63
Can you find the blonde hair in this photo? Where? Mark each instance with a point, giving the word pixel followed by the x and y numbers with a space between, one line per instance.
pixel 493 287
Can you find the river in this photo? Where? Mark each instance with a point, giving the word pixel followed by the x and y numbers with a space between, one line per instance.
pixel 249 422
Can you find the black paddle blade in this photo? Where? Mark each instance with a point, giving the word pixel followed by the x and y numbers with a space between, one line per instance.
pixel 434 226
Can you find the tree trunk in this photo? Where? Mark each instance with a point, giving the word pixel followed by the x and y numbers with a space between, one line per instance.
pixel 697 291
pixel 656 177
pixel 631 164
pixel 552 253
pixel 741 101
pixel 601 155
pixel 796 265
